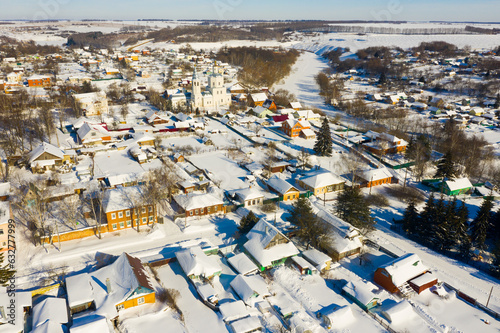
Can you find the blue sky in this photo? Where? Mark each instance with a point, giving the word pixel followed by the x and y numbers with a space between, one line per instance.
pixel 412 10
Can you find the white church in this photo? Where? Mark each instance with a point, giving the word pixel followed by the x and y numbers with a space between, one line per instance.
pixel 215 94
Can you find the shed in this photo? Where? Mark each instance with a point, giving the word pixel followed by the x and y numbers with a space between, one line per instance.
pixel 79 290
pixel 304 266
pixel 242 264
pixel 399 313
pixel 361 294
pixel 195 263
pixel 334 316
pixel 91 323
pixel 50 309
pixel 233 311
pixel 423 282
pixel 457 186
pixel 320 260
pixel 251 289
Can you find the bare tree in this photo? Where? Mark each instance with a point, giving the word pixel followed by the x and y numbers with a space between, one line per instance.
pixel 303 158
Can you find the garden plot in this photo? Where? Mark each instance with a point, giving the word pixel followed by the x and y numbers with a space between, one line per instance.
pixel 224 137
pixel 178 143
pixel 197 316
pixel 165 321
pixel 116 163
pixel 313 294
pixel 221 169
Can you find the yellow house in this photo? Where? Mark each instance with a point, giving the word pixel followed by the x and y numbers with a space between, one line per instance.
pixel 286 190
pixel 321 183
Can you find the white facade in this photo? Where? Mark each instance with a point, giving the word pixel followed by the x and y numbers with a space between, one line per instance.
pixel 213 97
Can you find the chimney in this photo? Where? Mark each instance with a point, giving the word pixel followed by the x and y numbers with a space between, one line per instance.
pixel 108 286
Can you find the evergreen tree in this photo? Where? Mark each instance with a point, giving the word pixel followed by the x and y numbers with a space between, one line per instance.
pixel 323 145
pixel 410 219
pixel 247 223
pixel 426 218
pixel 310 229
pixel 495 225
pixel 497 102
pixel 481 224
pixel 6 273
pixel 436 226
pixel 446 167
pixel 452 225
pixel 353 208
pixel 383 79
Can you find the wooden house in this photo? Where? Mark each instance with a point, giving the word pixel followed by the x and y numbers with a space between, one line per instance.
pixel 303 266
pixel 295 106
pixel 196 264
pixel 395 275
pixel 286 190
pixel 199 204
pixel 293 128
pixel 260 112
pixel 257 99
pixel 321 182
pixel 178 158
pixel 321 261
pixel 186 186
pixel 267 246
pixel 375 177
pixel 43 81
pixel 124 210
pixel 79 293
pixel 457 186
pixel 91 135
pixel 270 105
pixel 423 282
pixel 47 156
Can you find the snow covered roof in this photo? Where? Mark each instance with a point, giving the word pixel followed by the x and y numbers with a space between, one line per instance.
pixel 360 291
pixel 242 264
pixel 50 309
pixel 45 147
pixel 249 324
pixel 405 268
pixel 48 327
pixel 79 289
pixel 259 238
pixel 458 184
pixel 279 185
pixel 97 129
pixel 233 311
pixel 91 323
pixel 126 274
pixel 259 97
pixel 374 174
pixel 120 198
pixel 306 114
pixel 196 201
pixel 340 316
pixel 322 179
pixel 316 257
pixel 249 194
pixel 259 110
pixel 400 312
pixel 195 262
pixel 295 105
pixel 292 122
pixel 249 288
pixel 424 279
pixel 307 132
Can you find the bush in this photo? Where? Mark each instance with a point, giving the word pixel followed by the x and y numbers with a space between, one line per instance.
pixel 378 200
pixel 406 194
pixel 269 208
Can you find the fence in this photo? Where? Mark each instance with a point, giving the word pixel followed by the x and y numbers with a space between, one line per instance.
pixel 472 301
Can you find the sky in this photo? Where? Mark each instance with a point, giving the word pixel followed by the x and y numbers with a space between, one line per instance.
pixel 394 10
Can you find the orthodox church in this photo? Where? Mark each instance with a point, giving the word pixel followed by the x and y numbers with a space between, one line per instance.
pixel 215 94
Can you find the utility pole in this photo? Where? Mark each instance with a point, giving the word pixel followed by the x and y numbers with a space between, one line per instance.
pixel 488 302
pixel 406 173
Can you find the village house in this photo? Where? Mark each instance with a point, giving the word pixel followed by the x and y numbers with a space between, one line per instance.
pixel 196 264
pixel 457 186
pixel 395 275
pixel 383 143
pixel 121 285
pixel 260 112
pixel 270 105
pixel 295 128
pixel 154 119
pixel 267 246
pixel 199 204
pixel 50 315
pixel 257 99
pixel 237 88
pixel 43 81
pixel 5 216
pixel 250 289
pixel 286 190
pixel 361 294
pixel 308 115
pixel 295 106
pixel 374 177
pixel 93 103
pixel 91 135
pixel 321 182
pixel 124 209
pixel 321 261
pixel 249 197
pixel 47 157
pixel 242 264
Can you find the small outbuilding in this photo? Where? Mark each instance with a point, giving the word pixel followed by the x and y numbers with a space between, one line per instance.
pixel 361 294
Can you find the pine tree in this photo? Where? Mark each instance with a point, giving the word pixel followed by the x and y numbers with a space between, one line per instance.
pixel 353 208
pixel 452 225
pixel 497 102
pixel 6 273
pixel 437 226
pixel 323 145
pixel 426 218
pixel 383 79
pixel 446 167
pixel 495 225
pixel 310 229
pixel 247 223
pixel 410 219
pixel 481 224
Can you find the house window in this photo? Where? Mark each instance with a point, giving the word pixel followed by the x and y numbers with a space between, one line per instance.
pixel 114 226
pixel 144 220
pixel 196 211
pixel 1 231
pixel 129 223
pixel 122 224
pixel 150 209
pixel 127 213
pixel 120 215
pixel 150 219
pixel 120 307
pixel 140 300
pixel 191 213
pixel 113 216
pixel 143 210
pixel 209 209
pixel 385 273
pixel 216 208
